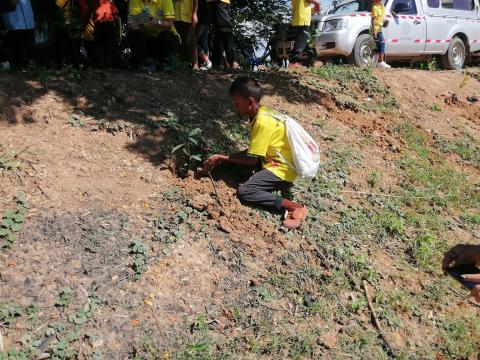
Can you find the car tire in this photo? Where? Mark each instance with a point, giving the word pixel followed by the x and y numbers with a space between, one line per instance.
pixel 455 55
pixel 362 53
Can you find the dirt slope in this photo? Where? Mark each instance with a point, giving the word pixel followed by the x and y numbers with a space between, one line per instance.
pixel 92 152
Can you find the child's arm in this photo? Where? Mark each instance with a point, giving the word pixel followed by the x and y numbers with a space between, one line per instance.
pixel 194 12
pixel 240 158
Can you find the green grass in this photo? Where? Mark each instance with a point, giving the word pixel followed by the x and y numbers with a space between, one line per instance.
pixel 366 92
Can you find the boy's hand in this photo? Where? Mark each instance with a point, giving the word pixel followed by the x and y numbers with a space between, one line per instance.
pixel 462 255
pixel 476 279
pixel 212 161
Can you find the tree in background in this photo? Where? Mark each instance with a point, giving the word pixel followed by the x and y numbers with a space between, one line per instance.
pixel 254 20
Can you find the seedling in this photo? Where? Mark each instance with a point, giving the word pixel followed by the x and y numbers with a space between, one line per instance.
pixel 188 144
pixel 435 107
pixel 12 221
pixel 139 251
pixel 65 298
pixel 83 314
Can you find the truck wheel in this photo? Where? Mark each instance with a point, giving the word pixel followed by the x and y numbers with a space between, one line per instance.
pixel 455 55
pixel 363 52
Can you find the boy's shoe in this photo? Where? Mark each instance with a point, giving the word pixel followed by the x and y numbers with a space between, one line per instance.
pixel 294 219
pixel 383 65
pixel 206 66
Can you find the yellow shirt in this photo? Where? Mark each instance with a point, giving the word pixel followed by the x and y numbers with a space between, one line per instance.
pixel 268 135
pixel 159 10
pixel 225 1
pixel 183 10
pixel 302 13
pixel 378 16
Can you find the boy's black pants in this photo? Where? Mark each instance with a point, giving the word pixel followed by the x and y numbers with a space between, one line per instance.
pixel 258 190
pixel 145 46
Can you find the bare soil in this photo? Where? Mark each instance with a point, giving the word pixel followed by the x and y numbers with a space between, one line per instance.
pixel 92 191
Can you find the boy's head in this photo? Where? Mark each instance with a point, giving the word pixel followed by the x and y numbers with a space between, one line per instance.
pixel 376 1
pixel 246 94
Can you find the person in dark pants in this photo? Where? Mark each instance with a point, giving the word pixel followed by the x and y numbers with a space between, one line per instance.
pixel 155 38
pixel 17 17
pixel 106 32
pixel 268 145
pixel 69 19
pixel 223 52
pixel 185 21
pixel 203 29
pixel 4 52
pixel 302 17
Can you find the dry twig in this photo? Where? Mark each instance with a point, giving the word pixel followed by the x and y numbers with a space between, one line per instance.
pixel 390 350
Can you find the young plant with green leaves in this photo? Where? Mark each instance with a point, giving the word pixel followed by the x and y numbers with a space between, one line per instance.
pixel 12 221
pixel 189 143
pixel 139 250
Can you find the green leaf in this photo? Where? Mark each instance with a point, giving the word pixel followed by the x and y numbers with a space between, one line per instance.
pixel 9 214
pixel 194 132
pixel 4 232
pixel 17 227
pixel 193 141
pixel 7 223
pixel 196 157
pixel 176 148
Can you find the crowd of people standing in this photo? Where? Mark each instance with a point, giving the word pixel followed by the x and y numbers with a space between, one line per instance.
pixel 200 31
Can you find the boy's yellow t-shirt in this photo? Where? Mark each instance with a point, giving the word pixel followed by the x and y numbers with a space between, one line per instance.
pixel 378 16
pixel 268 135
pixel 302 13
pixel 183 10
pixel 159 10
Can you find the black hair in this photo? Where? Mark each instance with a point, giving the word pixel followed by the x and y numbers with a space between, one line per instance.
pixel 246 87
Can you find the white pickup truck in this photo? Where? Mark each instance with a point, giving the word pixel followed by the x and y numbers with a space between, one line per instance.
pixel 417 29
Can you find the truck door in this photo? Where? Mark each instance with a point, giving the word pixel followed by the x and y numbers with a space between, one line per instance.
pixel 407 29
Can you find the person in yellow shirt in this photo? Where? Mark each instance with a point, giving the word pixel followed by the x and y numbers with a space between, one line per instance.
pixel 268 138
pixel 223 33
pixel 301 19
pixel 185 22
pixel 378 17
pixel 155 36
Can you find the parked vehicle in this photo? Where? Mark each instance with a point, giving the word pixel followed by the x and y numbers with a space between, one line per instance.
pixel 418 29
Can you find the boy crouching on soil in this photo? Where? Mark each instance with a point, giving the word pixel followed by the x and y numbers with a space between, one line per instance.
pixel 267 137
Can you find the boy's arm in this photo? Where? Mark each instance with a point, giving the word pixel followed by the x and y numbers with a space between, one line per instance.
pixel 241 158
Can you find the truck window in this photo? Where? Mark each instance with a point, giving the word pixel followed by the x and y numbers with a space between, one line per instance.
pixel 352 7
pixel 433 3
pixel 467 5
pixel 406 7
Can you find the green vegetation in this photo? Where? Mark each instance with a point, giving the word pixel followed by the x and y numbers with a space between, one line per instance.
pixel 12 221
pixel 365 91
pixel 466 147
pixel 139 250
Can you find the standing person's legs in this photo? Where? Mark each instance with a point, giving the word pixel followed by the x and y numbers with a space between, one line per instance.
pixel 202 43
pixel 189 42
pixel 164 45
pixel 139 44
pixel 301 38
pixel 104 38
pixel 61 45
pixel 225 32
pixel 380 42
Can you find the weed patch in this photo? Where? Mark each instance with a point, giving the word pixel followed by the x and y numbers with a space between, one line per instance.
pixel 12 221
pixel 340 80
